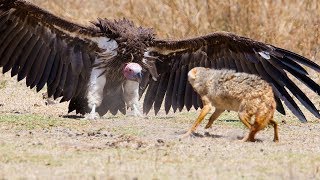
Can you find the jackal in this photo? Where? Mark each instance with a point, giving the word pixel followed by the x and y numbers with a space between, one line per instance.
pixel 247 94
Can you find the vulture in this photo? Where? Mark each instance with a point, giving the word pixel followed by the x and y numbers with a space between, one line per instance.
pixel 133 74
pixel 84 64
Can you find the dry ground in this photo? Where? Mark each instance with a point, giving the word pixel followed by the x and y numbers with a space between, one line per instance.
pixel 37 141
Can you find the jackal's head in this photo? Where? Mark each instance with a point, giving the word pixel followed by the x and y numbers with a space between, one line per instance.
pixel 193 75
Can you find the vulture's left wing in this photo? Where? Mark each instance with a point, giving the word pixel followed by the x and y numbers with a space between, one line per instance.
pixel 174 59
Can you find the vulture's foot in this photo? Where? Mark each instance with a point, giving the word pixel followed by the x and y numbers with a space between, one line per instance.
pixel 91 116
pixel 135 113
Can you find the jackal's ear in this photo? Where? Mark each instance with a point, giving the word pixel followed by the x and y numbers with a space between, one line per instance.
pixel 192 73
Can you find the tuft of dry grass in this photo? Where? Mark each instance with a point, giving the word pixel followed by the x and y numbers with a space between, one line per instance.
pixel 292 24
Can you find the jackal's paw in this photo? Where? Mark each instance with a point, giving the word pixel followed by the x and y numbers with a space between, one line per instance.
pixel 91 116
pixel 208 126
pixel 247 139
pixel 185 136
pixel 189 135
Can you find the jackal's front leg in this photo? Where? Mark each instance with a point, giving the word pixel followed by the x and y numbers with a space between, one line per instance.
pixel 204 111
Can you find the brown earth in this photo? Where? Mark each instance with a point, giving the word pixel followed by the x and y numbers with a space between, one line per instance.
pixel 37 141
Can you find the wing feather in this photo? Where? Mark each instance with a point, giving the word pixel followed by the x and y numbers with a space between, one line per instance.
pixel 37 67
pixel 298 58
pixel 161 91
pixel 69 85
pixel 54 73
pixel 168 101
pixel 11 28
pixel 23 56
pixel 55 78
pixel 15 43
pixel 282 93
pixel 298 74
pixel 43 60
pixel 188 96
pixel 175 90
pixel 29 60
pixel 47 70
pixel 151 92
pixel 237 61
pixel 5 41
pixel 20 49
pixel 62 80
pixel 280 76
pixel 181 86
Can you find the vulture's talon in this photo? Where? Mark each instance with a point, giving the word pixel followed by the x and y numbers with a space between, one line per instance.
pixel 92 116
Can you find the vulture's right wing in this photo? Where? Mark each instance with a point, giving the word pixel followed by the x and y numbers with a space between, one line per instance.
pixel 229 51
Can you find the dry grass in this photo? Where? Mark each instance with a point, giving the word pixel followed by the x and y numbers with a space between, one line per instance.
pixel 293 24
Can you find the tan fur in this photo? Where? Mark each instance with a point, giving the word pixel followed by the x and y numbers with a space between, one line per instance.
pixel 246 94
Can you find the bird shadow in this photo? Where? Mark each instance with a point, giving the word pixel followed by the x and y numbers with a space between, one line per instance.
pixel 69 116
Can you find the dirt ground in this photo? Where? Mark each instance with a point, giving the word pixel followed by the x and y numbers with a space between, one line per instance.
pixel 39 141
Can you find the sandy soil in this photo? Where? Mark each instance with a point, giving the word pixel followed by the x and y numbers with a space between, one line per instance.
pixel 38 141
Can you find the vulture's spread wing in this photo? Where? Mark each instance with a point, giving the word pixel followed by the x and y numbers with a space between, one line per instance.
pixel 43 48
pixel 226 50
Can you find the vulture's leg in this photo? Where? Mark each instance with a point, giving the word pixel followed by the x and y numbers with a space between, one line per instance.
pixel 136 111
pixel 95 91
pixel 131 96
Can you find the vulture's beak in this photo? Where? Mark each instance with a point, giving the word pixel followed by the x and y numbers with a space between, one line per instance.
pixel 139 77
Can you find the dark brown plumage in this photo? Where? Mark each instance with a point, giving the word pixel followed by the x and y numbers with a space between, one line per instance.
pixel 76 61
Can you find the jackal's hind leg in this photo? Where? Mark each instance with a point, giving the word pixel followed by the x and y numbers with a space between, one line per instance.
pixel 275 127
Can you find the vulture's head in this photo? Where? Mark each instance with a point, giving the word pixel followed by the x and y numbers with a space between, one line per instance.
pixel 132 43
pixel 133 72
